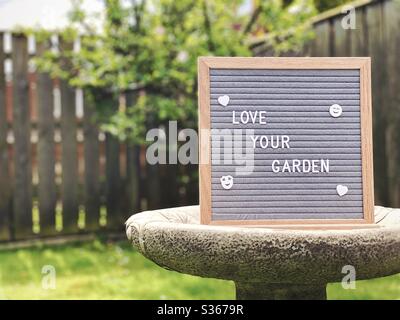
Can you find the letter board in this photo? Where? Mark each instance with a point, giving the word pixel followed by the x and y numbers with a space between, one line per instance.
pixel 285 141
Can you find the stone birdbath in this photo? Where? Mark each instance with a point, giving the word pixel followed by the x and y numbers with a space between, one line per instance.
pixel 267 263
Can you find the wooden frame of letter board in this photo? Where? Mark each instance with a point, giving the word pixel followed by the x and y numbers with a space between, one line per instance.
pixel 361 63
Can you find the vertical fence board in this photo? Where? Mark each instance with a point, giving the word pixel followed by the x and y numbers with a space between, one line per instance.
pixel 69 160
pixel 321 44
pixel 359 36
pixel 373 30
pixel 342 38
pixel 132 178
pixel 153 186
pixel 69 154
pixel 114 219
pixel 92 163
pixel 5 188
pixel 391 27
pixel 46 151
pixel 192 187
pixel 132 182
pixel 153 177
pixel 21 126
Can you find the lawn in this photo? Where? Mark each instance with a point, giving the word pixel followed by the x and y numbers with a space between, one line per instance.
pixel 99 270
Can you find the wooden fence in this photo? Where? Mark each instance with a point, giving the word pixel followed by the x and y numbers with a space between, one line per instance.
pixel 376 35
pixel 59 174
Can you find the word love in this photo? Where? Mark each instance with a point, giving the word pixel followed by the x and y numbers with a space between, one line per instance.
pixel 246 117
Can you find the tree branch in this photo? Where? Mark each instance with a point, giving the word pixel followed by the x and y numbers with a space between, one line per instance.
pixel 253 20
pixel 207 27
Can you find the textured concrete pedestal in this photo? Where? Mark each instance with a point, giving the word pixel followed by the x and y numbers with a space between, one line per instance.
pixel 267 263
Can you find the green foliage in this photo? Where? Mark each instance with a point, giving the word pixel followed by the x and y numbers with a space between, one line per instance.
pixel 149 50
pixel 323 5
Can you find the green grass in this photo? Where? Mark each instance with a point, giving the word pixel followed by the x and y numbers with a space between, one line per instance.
pixel 99 270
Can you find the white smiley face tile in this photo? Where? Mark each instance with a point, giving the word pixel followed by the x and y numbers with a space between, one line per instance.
pixel 335 110
pixel 226 182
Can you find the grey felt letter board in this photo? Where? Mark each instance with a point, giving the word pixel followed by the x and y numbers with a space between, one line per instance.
pixel 285 141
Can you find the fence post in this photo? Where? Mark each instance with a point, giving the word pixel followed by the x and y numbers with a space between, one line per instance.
pixel 114 220
pixel 45 150
pixel 132 185
pixel 21 126
pixel 373 44
pixel 92 161
pixel 153 177
pixel 391 96
pixel 69 160
pixel 321 44
pixel 5 194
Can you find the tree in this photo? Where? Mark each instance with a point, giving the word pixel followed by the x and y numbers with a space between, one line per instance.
pixel 323 5
pixel 150 49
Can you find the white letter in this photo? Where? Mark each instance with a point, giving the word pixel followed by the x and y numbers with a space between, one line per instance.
pixel 324 165
pixel 286 167
pixel 296 165
pixel 254 139
pixel 276 145
pixel 263 117
pixel 285 141
pixel 234 118
pixel 275 169
pixel 244 121
pixel 314 165
pixel 265 143
pixel 304 165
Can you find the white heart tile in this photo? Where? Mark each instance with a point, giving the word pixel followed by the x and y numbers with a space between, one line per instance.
pixel 341 190
pixel 223 100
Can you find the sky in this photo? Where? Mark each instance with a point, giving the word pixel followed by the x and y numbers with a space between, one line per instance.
pixel 49 14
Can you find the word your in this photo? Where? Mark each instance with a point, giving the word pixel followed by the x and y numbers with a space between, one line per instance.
pixel 274 141
pixel 301 166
